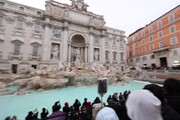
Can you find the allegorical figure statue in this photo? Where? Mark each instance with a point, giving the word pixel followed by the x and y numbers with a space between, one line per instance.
pixel 96 55
pixel 55 53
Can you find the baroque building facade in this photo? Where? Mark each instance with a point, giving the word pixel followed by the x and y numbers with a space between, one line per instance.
pixel 157 44
pixel 31 37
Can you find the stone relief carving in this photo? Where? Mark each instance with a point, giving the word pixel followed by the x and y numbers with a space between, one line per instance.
pixel 56 33
pixel 96 55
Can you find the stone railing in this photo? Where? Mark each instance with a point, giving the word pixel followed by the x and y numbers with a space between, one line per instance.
pixel 36 57
pixel 15 55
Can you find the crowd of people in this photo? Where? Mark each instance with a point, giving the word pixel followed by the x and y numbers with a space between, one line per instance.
pixel 153 102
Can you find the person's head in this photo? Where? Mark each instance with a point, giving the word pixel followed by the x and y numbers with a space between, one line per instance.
pixel 143 105
pixel 44 110
pixel 172 86
pixel 156 90
pixel 8 118
pixel 85 99
pixel 107 113
pixel 66 104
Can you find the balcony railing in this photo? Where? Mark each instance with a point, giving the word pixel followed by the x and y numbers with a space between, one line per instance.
pixel 161 49
pixel 15 55
pixel 34 56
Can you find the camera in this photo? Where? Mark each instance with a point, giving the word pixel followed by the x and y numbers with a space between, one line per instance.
pixel 102 85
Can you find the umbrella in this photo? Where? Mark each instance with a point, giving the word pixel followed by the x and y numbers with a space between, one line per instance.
pixel 59 115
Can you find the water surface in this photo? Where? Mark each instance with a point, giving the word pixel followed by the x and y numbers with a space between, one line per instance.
pixel 20 105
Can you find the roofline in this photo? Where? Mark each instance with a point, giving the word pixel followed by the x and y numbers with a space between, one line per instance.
pixel 153 21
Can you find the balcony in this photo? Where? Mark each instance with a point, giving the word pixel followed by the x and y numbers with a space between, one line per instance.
pixel 18 56
pixel 161 49
pixel 34 57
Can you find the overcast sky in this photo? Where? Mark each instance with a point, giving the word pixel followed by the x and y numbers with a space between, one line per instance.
pixel 126 15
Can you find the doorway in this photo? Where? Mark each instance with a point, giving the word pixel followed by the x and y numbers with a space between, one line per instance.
pixel 14 68
pixel 163 62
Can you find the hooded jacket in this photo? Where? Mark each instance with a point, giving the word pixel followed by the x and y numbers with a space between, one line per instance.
pixel 143 105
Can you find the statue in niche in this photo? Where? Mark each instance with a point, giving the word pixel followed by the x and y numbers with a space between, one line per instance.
pixel 55 53
pixel 96 55
pixel 78 61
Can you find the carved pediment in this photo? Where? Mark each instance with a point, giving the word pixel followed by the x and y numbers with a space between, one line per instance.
pixel 35 44
pixel 17 41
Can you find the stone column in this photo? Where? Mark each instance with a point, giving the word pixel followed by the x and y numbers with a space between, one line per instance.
pixel 69 53
pixel 111 52
pixel 91 46
pixel 65 42
pixel 46 50
pixel 86 54
pixel 102 51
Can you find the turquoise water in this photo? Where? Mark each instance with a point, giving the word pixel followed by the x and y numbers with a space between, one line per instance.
pixel 20 105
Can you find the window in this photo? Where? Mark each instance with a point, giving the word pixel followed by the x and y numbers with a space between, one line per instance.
pixel 114 55
pixel 131 60
pixel 2 4
pixel 173 40
pixel 37 28
pixel 137 51
pixel 17 49
pixel 136 44
pixel 137 59
pixel 151 47
pixel 1 20
pixel 114 42
pixel 130 54
pixel 107 55
pixel 136 37
pixel 38 12
pixel 143 41
pixel 151 38
pixel 161 44
pixel 152 57
pixel 160 34
pixel 171 18
pixel 122 56
pixel 150 29
pixel 1 46
pixel 19 24
pixel 21 8
pixel 160 24
pixel 175 53
pixel 144 58
pixel 172 29
pixel 106 42
pixel 142 33
pixel 35 50
pixel 144 49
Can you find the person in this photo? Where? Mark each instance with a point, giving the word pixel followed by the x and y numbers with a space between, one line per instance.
pixel 107 113
pixel 44 113
pixel 168 113
pixel 14 117
pixel 172 87
pixel 85 102
pixel 56 107
pixel 76 105
pixel 143 105
pixel 29 116
pixel 66 109
pixel 8 118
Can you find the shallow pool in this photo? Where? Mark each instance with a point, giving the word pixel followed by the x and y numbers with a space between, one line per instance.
pixel 20 105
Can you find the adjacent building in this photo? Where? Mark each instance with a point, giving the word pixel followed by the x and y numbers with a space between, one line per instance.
pixel 158 43
pixel 31 37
